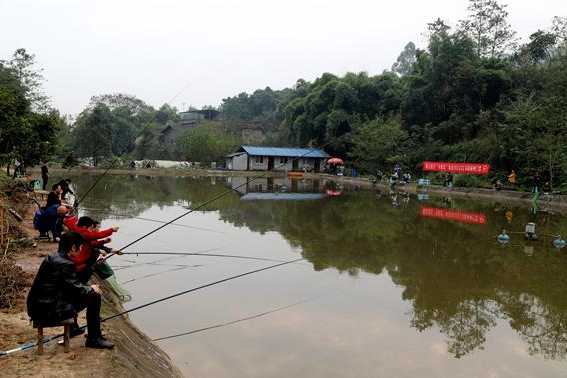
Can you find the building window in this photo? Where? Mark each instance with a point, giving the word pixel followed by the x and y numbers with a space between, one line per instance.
pixel 259 159
pixel 283 160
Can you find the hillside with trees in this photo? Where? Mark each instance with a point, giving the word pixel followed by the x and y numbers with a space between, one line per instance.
pixel 476 92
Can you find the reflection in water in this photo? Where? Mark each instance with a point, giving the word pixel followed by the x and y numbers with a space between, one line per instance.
pixel 455 275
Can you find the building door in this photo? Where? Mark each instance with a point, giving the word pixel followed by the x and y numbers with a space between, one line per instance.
pixel 270 163
pixel 317 165
pixel 295 165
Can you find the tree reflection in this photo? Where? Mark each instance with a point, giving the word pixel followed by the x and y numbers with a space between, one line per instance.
pixel 457 278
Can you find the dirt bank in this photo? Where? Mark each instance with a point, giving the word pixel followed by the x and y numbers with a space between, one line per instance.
pixel 133 356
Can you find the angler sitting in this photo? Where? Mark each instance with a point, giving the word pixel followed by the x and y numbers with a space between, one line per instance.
pixel 54 197
pixel 86 261
pixel 57 295
pixel 49 219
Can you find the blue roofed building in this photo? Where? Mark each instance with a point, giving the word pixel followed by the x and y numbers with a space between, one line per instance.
pixel 252 158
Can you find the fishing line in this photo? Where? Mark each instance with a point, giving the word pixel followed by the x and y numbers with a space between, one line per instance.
pixel 122 267
pixel 150 220
pixel 234 321
pixel 178 268
pixel 204 254
pixel 168 258
pixel 213 199
pixel 49 339
pixel 97 181
pixel 199 288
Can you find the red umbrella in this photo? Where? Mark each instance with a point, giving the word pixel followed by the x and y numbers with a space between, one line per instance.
pixel 334 193
pixel 335 161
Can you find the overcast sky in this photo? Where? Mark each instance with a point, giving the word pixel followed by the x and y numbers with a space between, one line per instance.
pixel 208 50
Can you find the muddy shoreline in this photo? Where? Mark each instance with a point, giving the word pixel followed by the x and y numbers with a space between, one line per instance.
pixel 134 355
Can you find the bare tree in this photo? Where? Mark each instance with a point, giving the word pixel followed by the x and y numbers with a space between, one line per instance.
pixel 487 25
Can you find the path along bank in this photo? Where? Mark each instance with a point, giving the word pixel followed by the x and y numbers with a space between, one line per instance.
pixel 134 355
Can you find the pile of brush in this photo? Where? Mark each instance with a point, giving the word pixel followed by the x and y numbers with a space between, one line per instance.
pixel 12 282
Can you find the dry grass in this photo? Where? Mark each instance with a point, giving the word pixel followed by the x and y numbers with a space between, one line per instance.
pixel 12 282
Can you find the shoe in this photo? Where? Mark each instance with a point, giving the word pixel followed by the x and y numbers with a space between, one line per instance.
pixel 99 343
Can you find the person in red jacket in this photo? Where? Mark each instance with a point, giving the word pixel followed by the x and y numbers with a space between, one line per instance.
pixel 93 239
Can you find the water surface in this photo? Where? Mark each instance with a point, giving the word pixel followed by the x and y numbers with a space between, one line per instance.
pixel 395 286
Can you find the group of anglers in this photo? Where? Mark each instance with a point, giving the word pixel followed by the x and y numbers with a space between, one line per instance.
pixel 61 287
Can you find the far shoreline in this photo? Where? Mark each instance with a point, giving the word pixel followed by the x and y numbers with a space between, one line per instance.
pixel 559 201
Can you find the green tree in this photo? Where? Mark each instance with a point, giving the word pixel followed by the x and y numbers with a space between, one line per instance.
pixel 92 136
pixel 406 60
pixel 31 79
pixel 378 144
pixel 28 127
pixel 207 142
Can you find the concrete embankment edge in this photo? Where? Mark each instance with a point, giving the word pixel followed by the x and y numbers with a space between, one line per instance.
pixel 134 354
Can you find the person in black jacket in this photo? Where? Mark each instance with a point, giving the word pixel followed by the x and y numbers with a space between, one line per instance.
pixel 54 197
pixel 56 293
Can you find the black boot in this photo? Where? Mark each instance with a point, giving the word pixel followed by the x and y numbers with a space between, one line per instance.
pixel 99 343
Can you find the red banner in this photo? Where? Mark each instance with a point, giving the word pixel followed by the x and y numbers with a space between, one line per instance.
pixel 453 215
pixel 458 168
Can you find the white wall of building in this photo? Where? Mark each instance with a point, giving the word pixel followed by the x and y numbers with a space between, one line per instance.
pixel 260 163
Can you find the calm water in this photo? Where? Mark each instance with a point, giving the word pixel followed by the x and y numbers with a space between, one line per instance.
pixel 393 286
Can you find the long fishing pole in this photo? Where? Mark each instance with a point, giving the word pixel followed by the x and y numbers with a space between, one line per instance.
pixel 97 181
pixel 51 338
pixel 200 287
pixel 152 220
pixel 233 321
pixel 203 204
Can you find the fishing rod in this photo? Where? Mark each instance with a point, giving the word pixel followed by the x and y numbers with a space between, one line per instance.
pixel 203 204
pixel 97 181
pixel 233 321
pixel 200 287
pixel 152 220
pixel 115 160
pixel 178 294
pixel 185 266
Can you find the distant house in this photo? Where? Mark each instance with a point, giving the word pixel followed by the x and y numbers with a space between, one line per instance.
pixel 251 158
pixel 192 118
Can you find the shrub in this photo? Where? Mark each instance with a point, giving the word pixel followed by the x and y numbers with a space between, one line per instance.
pixel 467 181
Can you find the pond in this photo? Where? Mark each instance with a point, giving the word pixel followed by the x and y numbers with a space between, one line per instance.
pixel 391 285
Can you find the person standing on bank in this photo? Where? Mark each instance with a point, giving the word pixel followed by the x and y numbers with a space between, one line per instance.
pixel 536 183
pixel 17 167
pixel 44 175
pixel 56 293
